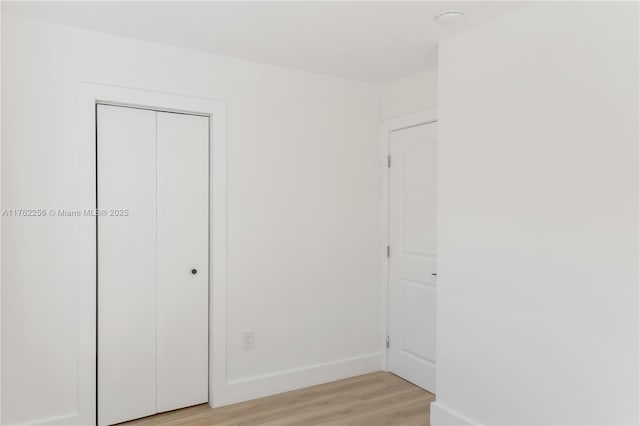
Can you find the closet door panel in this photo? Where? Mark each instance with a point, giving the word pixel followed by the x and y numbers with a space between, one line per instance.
pixel 183 239
pixel 127 267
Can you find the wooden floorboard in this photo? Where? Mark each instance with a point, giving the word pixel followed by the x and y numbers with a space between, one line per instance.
pixel 374 399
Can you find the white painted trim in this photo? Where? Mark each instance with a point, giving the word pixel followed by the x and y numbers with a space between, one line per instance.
pixel 441 415
pixel 64 420
pixel 283 381
pixel 414 119
pixel 89 95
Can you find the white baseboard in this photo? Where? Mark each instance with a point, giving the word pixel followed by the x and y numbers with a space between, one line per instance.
pixel 441 415
pixel 283 381
pixel 269 384
pixel 64 420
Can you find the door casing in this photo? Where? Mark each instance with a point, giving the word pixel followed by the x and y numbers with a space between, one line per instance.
pixel 91 94
pixel 418 118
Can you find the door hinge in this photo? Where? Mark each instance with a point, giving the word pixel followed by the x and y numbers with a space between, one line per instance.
pixel 388 251
pixel 387 342
pixel 388 161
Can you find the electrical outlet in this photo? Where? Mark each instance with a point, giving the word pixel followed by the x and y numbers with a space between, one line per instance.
pixel 248 339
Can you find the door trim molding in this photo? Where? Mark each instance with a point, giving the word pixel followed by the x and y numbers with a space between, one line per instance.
pixel 418 118
pixel 89 94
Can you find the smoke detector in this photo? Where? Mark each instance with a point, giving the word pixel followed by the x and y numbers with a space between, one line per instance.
pixel 450 17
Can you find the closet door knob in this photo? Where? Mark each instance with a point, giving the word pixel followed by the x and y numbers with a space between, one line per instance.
pixel 194 271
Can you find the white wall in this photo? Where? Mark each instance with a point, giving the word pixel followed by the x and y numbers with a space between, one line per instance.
pixel 538 218
pixel 411 94
pixel 303 211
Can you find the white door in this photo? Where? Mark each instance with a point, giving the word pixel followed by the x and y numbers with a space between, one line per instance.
pixel 127 265
pixel 412 260
pixel 152 191
pixel 183 240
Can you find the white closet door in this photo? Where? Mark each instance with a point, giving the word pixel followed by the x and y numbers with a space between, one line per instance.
pixel 127 267
pixel 153 263
pixel 183 273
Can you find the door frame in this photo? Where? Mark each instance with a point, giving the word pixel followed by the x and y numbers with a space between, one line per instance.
pixel 418 118
pixel 90 94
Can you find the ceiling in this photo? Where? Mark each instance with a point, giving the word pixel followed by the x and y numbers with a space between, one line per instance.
pixel 372 41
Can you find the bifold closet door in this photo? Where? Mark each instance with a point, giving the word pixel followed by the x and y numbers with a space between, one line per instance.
pixel 183 259
pixel 127 264
pixel 152 262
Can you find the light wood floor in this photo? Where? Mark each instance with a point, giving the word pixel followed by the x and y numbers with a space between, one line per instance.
pixel 372 399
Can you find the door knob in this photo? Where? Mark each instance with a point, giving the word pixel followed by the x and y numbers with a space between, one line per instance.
pixel 434 274
pixel 194 271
